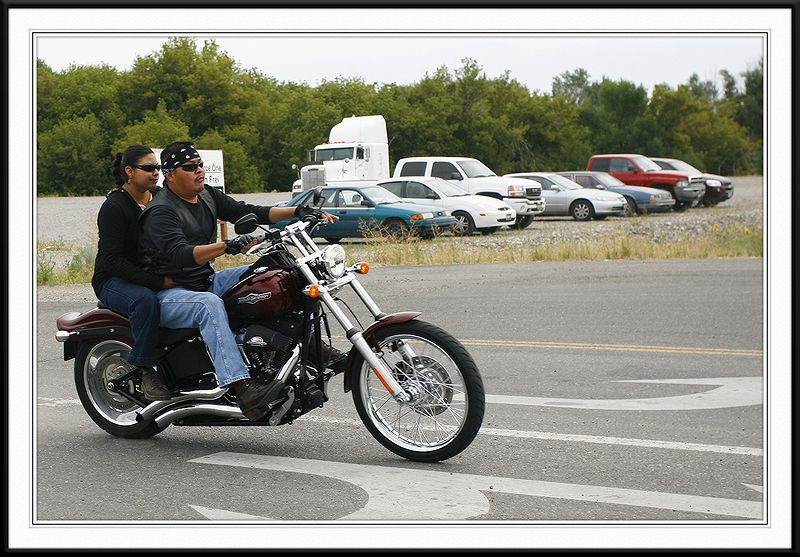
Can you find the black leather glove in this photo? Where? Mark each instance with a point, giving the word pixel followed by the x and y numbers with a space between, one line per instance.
pixel 235 245
pixel 304 211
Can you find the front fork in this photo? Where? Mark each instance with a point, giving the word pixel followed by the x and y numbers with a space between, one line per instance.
pixel 354 335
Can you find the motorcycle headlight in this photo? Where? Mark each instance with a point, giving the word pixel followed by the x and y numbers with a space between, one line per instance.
pixel 333 259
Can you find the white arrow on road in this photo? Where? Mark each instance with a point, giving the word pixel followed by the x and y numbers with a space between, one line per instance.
pixel 411 494
pixel 730 392
pixel 221 514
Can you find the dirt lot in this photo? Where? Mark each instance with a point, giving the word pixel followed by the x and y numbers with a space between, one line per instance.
pixel 65 224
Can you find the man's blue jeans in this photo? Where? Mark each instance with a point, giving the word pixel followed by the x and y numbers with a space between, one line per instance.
pixel 140 304
pixel 181 308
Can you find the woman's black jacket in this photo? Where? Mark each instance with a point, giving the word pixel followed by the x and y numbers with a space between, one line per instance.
pixel 118 228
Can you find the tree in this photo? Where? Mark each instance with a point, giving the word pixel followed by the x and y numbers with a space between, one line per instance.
pixel 573 86
pixel 73 158
pixel 751 112
pixel 702 89
pixel 157 129
pixel 241 175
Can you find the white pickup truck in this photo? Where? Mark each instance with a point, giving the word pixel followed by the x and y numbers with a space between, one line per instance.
pixel 476 178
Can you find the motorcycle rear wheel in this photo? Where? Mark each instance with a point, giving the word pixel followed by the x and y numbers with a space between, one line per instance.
pixel 448 401
pixel 96 363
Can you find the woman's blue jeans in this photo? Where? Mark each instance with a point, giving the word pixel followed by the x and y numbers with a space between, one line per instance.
pixel 181 308
pixel 140 304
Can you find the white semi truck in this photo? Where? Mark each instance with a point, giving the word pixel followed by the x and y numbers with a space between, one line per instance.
pixel 357 151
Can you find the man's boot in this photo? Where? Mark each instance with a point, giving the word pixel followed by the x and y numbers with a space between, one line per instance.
pixel 254 397
pixel 153 387
pixel 336 360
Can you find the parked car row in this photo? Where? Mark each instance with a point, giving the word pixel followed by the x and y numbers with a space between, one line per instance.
pixel 464 196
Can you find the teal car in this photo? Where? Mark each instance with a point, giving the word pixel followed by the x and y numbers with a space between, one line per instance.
pixel 369 208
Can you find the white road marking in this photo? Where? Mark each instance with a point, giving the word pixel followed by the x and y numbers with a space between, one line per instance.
pixel 221 514
pixel 410 494
pixel 652 443
pixel 759 488
pixel 731 392
pixel 614 347
pixel 45 401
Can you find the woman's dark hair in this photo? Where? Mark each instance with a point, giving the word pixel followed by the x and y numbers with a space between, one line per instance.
pixel 128 157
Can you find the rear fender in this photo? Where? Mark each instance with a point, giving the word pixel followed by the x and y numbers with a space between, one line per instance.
pixel 369 336
pixel 74 328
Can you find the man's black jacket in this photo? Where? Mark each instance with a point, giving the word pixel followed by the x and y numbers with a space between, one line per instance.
pixel 171 227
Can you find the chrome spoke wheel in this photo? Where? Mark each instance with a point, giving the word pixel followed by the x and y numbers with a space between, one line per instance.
pixel 438 407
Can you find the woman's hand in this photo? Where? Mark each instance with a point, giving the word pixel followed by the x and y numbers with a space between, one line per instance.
pixel 168 283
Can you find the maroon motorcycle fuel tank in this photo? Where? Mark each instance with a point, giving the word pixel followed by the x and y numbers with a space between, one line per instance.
pixel 268 294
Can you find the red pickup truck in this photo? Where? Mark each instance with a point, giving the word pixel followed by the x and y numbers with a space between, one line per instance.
pixel 637 170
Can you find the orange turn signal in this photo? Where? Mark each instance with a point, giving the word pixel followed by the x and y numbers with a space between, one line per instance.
pixel 363 268
pixel 313 291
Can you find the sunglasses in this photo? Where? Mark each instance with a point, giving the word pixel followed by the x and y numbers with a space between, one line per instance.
pixel 191 166
pixel 147 167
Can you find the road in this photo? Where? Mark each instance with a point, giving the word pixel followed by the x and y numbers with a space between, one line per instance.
pixel 617 391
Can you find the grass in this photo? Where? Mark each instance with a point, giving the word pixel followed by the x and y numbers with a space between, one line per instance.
pixel 736 242
pixel 379 249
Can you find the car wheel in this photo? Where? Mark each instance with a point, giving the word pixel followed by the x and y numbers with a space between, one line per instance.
pixel 464 226
pixel 631 210
pixel 581 210
pixel 396 229
pixel 680 206
pixel 523 222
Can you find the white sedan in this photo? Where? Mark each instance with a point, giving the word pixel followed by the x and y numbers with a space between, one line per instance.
pixel 473 212
pixel 565 197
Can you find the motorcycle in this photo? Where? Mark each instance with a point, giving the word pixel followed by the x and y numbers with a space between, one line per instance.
pixel 416 388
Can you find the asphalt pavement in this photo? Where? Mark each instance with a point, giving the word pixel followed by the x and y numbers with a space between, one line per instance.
pixel 618 391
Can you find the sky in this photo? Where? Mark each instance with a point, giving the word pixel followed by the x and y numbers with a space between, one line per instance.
pixel 532 59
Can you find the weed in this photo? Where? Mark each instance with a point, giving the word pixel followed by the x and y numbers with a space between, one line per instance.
pixel 45 268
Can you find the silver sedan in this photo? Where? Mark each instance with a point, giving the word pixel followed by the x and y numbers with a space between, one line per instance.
pixel 565 197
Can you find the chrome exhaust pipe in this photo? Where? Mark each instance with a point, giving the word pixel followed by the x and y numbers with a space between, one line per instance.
pixel 149 411
pixel 171 416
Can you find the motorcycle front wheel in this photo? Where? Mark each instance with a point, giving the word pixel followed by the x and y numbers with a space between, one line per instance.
pixel 447 405
pixel 96 364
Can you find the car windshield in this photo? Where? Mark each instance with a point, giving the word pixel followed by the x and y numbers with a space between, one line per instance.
pixel 565 183
pixel 447 189
pixel 475 168
pixel 645 164
pixel 608 180
pixel 685 166
pixel 380 196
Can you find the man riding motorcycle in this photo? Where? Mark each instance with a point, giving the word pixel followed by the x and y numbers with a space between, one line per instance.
pixel 178 239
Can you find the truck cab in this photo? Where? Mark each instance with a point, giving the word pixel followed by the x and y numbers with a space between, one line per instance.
pixel 357 150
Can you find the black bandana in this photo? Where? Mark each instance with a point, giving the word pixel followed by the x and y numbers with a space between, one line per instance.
pixel 178 153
